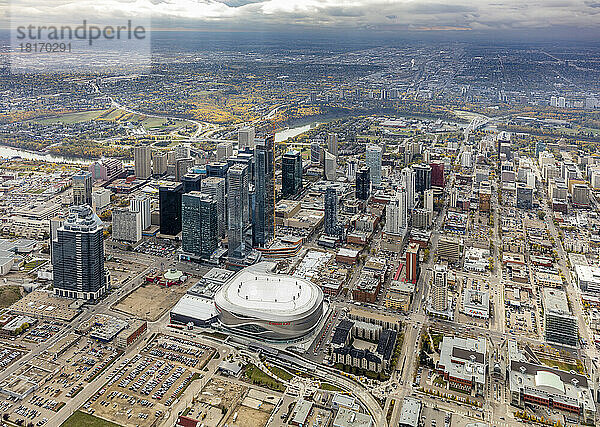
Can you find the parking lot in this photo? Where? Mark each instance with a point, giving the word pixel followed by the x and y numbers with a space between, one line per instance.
pixel 9 355
pixel 187 353
pixel 157 247
pixel 43 331
pixel 58 380
pixel 141 389
pixel 521 313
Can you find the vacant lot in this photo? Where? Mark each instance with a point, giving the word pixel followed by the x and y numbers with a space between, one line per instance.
pixel 9 295
pixel 150 302
pixel 81 419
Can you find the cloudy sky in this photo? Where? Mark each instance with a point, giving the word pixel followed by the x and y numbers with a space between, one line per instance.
pixel 391 15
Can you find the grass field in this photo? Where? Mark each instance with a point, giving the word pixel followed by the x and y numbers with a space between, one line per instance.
pixel 113 114
pixel 281 373
pixel 81 419
pixel 72 117
pixel 258 377
pixel 33 264
pixel 9 295
pixel 330 387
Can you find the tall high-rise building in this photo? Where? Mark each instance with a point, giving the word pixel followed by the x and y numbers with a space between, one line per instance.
pixel 169 198
pixel 191 182
pixel 373 160
pixel 428 205
pixel 171 158
pixel 330 167
pixel 422 178
pixel 315 152
pixel 291 173
pixel 581 195
pixel 408 178
pixel 199 234
pixel 263 227
pixel 332 143
pixel 127 225
pixel 437 174
pixel 524 196
pixel 82 188
pixel 412 262
pixel 55 224
pixel 78 256
pixel 182 166
pixel 363 183
pixel 142 161
pixel 224 151
pixel 428 201
pixel 238 210
pixel 244 158
pixel 106 169
pixel 396 214
pixel 182 152
pixel 216 188
pixel 246 137
pixel 466 159
pixel 141 204
pixel 332 227
pixel 351 170
pixel 439 288
pixel 218 169
pixel 159 163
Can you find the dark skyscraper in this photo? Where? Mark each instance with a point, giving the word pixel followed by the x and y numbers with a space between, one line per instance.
pixel 78 256
pixel 263 227
pixel 169 198
pixel 422 177
pixel 332 227
pixel 199 235
pixel 191 182
pixel 291 173
pixel 437 174
pixel 237 209
pixel 218 169
pixel 363 183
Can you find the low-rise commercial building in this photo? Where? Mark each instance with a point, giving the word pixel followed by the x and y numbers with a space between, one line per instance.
pixel 531 383
pixel 399 295
pixel 463 363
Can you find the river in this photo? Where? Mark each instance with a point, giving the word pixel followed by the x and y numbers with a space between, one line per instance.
pixel 7 152
pixel 292 132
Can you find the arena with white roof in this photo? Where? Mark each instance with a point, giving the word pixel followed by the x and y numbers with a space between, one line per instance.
pixel 270 306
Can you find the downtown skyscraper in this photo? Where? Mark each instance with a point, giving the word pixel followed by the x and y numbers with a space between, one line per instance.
pixel 78 256
pixel 82 188
pixel 216 188
pixel 373 159
pixel 237 210
pixel 169 199
pixel 363 183
pixel 142 161
pixel 199 235
pixel 291 173
pixel 332 228
pixel 396 218
pixel 263 227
